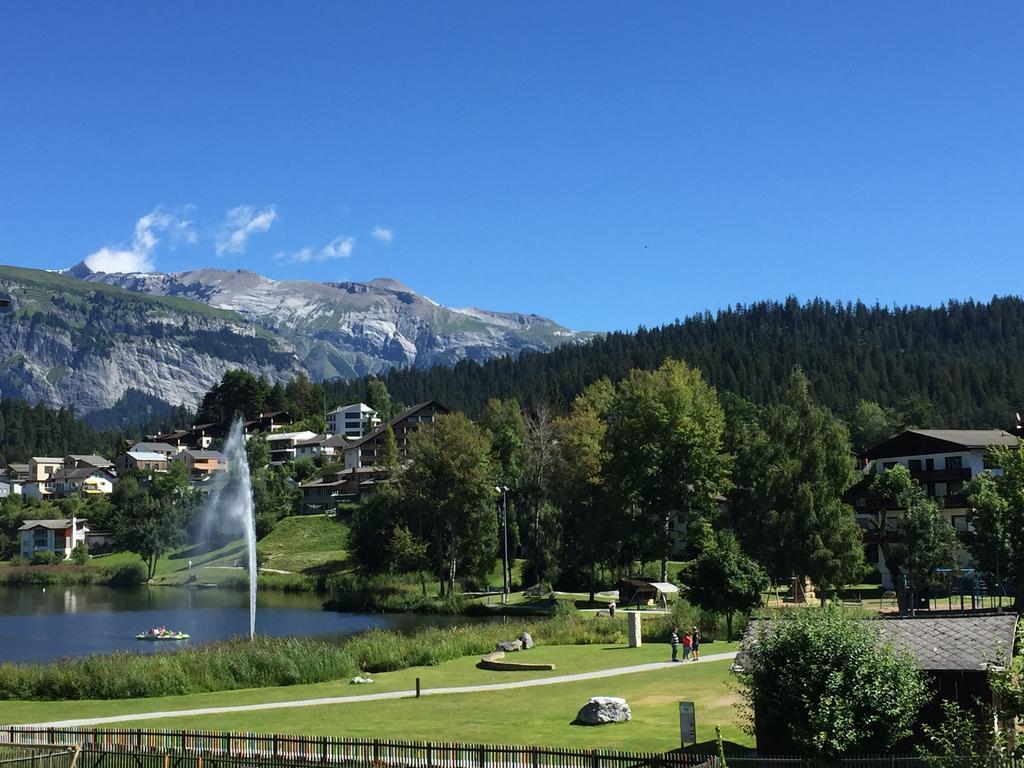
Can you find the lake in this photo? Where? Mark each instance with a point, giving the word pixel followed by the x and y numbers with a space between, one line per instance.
pixel 40 624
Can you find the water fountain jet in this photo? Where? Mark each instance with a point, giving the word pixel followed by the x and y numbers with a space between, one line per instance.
pixel 231 506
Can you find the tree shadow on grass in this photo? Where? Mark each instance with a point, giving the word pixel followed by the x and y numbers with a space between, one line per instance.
pixel 326 569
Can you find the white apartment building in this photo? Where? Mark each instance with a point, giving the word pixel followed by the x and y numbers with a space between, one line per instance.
pixel 352 421
pixel 941 460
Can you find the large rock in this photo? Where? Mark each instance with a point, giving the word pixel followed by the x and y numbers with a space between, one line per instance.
pixel 509 645
pixel 604 709
pixel 527 640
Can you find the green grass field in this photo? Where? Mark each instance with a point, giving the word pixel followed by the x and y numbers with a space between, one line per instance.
pixel 306 544
pixel 541 715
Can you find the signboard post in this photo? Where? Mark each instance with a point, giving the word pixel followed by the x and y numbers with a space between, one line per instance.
pixel 687 723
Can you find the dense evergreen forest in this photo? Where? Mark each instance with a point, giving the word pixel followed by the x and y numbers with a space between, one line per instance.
pixel 37 430
pixel 958 365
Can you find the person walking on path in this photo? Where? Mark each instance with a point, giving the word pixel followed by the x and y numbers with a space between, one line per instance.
pixel 674 641
pixel 687 645
pixel 696 645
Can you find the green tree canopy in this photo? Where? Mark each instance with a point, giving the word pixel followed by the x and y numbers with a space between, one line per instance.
pixel 666 438
pixel 448 497
pixel 789 509
pixel 824 684
pixel 720 578
pixel 926 541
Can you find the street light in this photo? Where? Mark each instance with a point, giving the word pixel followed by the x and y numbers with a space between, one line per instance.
pixel 503 490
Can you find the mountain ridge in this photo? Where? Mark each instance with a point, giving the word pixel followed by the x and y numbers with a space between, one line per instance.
pixel 84 339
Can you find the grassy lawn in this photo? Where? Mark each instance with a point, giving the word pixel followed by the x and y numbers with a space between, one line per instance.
pixel 541 715
pixel 310 544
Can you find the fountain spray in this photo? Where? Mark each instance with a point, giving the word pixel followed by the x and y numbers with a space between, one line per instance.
pixel 231 506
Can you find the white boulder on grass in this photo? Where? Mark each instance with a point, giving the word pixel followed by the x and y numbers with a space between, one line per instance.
pixel 604 709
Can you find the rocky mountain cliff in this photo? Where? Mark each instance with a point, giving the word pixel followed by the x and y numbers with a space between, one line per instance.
pixel 70 343
pixel 352 329
pixel 85 339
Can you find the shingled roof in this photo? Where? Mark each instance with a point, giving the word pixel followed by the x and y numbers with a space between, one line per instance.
pixel 954 642
pixel 960 643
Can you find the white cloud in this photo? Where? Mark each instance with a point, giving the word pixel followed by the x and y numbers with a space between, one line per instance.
pixel 339 248
pixel 383 234
pixel 139 257
pixel 240 222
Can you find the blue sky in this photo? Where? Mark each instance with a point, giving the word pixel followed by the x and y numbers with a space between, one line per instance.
pixel 605 164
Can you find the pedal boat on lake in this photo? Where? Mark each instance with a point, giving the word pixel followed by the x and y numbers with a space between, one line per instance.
pixel 162 633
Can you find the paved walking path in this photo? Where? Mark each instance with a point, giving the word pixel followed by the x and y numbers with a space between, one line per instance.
pixel 554 680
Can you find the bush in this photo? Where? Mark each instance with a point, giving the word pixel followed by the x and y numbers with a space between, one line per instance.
pixel 80 554
pixel 18 560
pixel 822 683
pixel 126 575
pixel 46 557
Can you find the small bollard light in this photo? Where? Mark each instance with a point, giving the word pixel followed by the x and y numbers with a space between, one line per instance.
pixel 417 687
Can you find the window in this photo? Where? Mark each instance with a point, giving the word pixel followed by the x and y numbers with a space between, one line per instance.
pixel 914 465
pixel 931 489
pixel 954 462
pixel 862 502
pixel 889 465
pixel 959 522
pixel 929 464
pixel 953 488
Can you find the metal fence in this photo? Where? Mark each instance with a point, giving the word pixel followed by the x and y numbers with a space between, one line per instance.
pixel 138 748
pixel 38 756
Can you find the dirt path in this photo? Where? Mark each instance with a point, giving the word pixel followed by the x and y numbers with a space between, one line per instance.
pixel 554 680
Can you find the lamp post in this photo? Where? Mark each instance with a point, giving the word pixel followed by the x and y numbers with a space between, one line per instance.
pixel 503 490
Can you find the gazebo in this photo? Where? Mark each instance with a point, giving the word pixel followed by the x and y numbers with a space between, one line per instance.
pixel 640 592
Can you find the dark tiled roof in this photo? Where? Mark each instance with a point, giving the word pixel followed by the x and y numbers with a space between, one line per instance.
pixel 153 447
pixel 400 417
pixel 948 643
pixel 80 473
pixel 955 642
pixel 90 459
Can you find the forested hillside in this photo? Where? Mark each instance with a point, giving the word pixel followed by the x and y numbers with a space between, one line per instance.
pixel 959 365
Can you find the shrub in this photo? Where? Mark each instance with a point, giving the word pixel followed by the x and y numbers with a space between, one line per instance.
pixel 18 561
pixel 46 557
pixel 824 684
pixel 126 575
pixel 80 554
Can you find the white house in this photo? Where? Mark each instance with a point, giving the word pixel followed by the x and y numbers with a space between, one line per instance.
pixel 352 421
pixel 941 460
pixel 86 481
pixel 321 445
pixel 58 536
pixel 282 445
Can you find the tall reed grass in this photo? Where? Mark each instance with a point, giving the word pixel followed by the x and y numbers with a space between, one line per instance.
pixel 270 661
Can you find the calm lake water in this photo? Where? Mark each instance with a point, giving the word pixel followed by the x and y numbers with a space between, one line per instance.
pixel 38 624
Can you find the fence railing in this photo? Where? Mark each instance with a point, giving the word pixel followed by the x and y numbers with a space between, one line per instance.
pixel 140 748
pixel 38 756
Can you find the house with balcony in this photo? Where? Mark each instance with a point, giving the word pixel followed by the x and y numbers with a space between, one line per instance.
pixel 57 536
pixel 322 445
pixel 283 445
pixel 322 495
pixel 942 461
pixel 143 461
pixel 166 449
pixel 81 461
pixel 83 481
pixel 199 463
pixel 363 452
pixel 352 421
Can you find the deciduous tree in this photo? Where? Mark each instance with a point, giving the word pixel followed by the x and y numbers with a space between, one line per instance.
pixel 666 440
